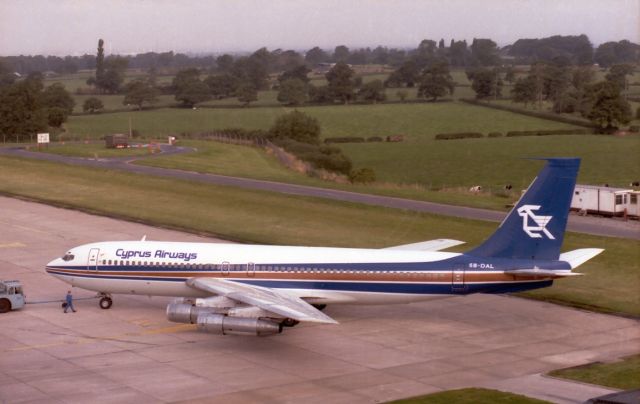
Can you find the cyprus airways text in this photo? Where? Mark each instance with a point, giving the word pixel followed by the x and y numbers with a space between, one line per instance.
pixel 128 254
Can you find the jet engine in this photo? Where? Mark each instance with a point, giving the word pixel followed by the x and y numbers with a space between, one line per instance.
pixel 208 320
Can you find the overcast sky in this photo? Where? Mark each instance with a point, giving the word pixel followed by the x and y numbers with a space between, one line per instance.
pixel 62 27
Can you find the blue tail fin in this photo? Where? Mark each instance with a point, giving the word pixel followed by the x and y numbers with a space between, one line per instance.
pixel 534 229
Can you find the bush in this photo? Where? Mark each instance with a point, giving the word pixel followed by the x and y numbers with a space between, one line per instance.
pixel 638 113
pixel 352 139
pixel 459 135
pixel 494 134
pixel 538 114
pixel 634 128
pixel 374 139
pixel 549 132
pixel 298 126
pixel 324 157
pixel 362 176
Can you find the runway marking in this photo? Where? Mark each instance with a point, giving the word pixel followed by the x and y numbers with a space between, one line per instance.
pixel 13 245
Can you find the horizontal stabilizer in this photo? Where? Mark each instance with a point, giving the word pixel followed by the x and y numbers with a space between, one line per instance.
pixel 542 272
pixel 431 245
pixel 576 258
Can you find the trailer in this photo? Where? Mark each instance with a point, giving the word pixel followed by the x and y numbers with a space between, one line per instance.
pixel 11 296
pixel 116 141
pixel 604 200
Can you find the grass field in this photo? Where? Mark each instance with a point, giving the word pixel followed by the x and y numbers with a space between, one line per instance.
pixel 494 162
pixel 420 120
pixel 610 285
pixel 420 159
pixel 249 162
pixel 624 375
pixel 470 396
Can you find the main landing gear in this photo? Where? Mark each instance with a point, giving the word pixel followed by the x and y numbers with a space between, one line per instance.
pixel 105 301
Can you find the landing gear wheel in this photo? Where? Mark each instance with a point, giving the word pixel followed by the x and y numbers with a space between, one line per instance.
pixel 106 303
pixel 5 305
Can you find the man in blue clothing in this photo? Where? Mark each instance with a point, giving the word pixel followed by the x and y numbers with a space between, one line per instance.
pixel 69 301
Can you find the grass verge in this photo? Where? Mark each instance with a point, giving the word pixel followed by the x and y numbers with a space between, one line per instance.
pixel 470 396
pixel 624 375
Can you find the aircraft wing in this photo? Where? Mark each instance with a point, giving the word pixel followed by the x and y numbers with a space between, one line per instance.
pixel 431 245
pixel 272 300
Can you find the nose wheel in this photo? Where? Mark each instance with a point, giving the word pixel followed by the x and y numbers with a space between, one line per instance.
pixel 105 301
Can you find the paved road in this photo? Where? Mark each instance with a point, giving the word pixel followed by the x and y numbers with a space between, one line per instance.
pixel 131 353
pixel 589 225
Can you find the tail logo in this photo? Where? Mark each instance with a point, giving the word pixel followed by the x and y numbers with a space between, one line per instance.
pixel 539 224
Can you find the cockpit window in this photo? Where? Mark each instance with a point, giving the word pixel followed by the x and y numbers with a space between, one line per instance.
pixel 68 257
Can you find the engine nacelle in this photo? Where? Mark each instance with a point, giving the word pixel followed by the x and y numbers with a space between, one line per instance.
pixel 184 312
pixel 221 324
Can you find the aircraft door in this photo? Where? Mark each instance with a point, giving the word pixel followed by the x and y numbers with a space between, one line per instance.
pixel 251 269
pixel 457 280
pixel 225 268
pixel 92 261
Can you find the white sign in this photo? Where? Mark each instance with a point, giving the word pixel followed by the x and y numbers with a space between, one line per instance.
pixel 43 138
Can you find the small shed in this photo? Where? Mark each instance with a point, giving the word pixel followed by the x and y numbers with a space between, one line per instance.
pixel 116 141
pixel 601 200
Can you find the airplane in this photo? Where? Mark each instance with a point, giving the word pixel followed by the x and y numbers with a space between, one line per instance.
pixel 259 289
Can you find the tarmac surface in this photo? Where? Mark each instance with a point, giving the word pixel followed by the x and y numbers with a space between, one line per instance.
pixel 131 353
pixel 590 225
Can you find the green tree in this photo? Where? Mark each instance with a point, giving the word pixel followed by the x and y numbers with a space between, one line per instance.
pixel 113 76
pixel 56 116
pixel 58 104
pixel 525 90
pixel 137 92
pixel 373 91
pixel 222 86
pixel 407 74
pixel 315 56
pixel 247 93
pixel 99 66
pixel 484 52
pixel 189 89
pixel 486 83
pixel 341 82
pixel 92 105
pixel 297 126
pixel 341 54
pixel 293 92
pixel 299 72
pixel 320 94
pixel 56 96
pixel 21 109
pixel 225 63
pixel 6 76
pixel 608 109
pixel 436 81
pixel 618 74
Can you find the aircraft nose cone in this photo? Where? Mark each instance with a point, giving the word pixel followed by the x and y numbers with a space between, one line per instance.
pixel 55 262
